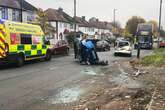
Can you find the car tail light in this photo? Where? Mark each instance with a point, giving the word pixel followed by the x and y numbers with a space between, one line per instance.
pixel 129 49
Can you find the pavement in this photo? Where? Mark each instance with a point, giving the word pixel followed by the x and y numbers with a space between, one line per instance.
pixel 56 85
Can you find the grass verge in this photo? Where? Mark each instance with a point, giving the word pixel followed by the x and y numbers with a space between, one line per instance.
pixel 156 59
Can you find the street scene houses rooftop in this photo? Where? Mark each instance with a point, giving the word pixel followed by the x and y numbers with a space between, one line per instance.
pixel 65 15
pixel 55 15
pixel 13 9
pixel 10 4
pixel 16 4
pixel 100 24
pixel 82 21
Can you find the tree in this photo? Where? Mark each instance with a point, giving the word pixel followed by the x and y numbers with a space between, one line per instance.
pixel 155 26
pixel 116 28
pixel 162 32
pixel 42 20
pixel 127 35
pixel 132 23
pixel 116 24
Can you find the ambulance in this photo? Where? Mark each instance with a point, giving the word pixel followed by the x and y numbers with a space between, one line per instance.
pixel 20 42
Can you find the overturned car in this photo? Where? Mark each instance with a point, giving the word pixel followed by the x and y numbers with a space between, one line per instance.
pixel 85 52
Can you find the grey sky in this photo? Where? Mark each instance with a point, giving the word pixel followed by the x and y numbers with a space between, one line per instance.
pixel 103 9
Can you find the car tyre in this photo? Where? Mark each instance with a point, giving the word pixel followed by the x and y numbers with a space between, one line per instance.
pixel 115 54
pixel 67 51
pixel 130 55
pixel 48 56
pixel 19 61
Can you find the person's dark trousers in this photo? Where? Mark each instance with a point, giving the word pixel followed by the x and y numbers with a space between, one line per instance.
pixel 83 53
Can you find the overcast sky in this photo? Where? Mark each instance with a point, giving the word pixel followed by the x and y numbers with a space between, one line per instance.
pixel 103 9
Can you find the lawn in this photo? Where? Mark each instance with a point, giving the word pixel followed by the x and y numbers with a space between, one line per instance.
pixel 156 59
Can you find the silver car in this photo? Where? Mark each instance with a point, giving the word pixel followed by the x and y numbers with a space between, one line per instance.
pixel 123 47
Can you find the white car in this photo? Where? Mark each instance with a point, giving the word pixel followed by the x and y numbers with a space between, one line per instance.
pixel 123 47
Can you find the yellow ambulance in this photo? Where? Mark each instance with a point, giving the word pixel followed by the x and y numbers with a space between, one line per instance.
pixel 20 42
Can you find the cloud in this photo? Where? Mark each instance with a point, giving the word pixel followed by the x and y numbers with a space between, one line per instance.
pixel 103 9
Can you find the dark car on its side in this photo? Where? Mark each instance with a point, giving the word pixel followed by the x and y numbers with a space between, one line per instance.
pixel 103 45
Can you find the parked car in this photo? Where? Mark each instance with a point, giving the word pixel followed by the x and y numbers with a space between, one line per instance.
pixel 61 47
pixel 123 47
pixel 102 45
pixel 162 42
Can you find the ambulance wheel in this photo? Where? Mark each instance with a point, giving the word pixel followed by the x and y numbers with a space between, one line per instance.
pixel 48 56
pixel 19 61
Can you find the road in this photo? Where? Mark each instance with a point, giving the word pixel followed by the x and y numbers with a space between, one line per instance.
pixel 56 85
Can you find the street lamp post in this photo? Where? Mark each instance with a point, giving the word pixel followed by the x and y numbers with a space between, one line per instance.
pixel 160 16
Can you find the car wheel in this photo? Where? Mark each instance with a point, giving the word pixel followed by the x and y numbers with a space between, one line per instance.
pixel 54 53
pixel 130 55
pixel 67 51
pixel 19 61
pixel 48 56
pixel 115 54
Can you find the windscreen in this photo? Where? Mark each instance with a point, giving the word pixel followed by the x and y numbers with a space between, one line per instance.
pixel 122 44
pixel 145 27
pixel 144 39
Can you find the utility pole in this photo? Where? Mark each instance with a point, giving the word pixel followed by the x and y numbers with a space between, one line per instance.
pixel 160 17
pixel 75 17
pixel 21 14
pixel 114 15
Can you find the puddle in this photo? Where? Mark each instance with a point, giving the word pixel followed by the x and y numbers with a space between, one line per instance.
pixel 66 96
pixel 88 71
pixel 122 70
pixel 92 71
pixel 125 80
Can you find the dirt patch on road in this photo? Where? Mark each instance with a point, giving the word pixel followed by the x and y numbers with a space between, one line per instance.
pixel 140 88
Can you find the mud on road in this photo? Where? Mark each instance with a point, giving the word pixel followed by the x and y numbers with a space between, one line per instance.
pixel 125 87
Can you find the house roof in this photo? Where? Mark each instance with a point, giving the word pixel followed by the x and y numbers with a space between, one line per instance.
pixel 54 15
pixel 28 6
pixel 17 4
pixel 82 22
pixel 100 24
pixel 10 3
pixel 65 15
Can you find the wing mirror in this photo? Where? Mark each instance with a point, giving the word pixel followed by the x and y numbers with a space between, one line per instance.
pixel 47 42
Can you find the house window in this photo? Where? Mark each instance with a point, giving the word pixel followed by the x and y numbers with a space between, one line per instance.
pixel 0 12
pixel 30 18
pixel 71 26
pixel 60 25
pixel 88 29
pixel 15 15
pixel 4 12
pixel 26 39
pixel 65 25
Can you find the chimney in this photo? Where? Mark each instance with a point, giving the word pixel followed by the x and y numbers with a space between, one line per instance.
pixel 83 17
pixel 60 10
pixel 97 20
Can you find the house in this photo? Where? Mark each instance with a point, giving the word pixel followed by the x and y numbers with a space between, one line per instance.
pixel 101 29
pixel 11 10
pixel 62 22
pixel 84 26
